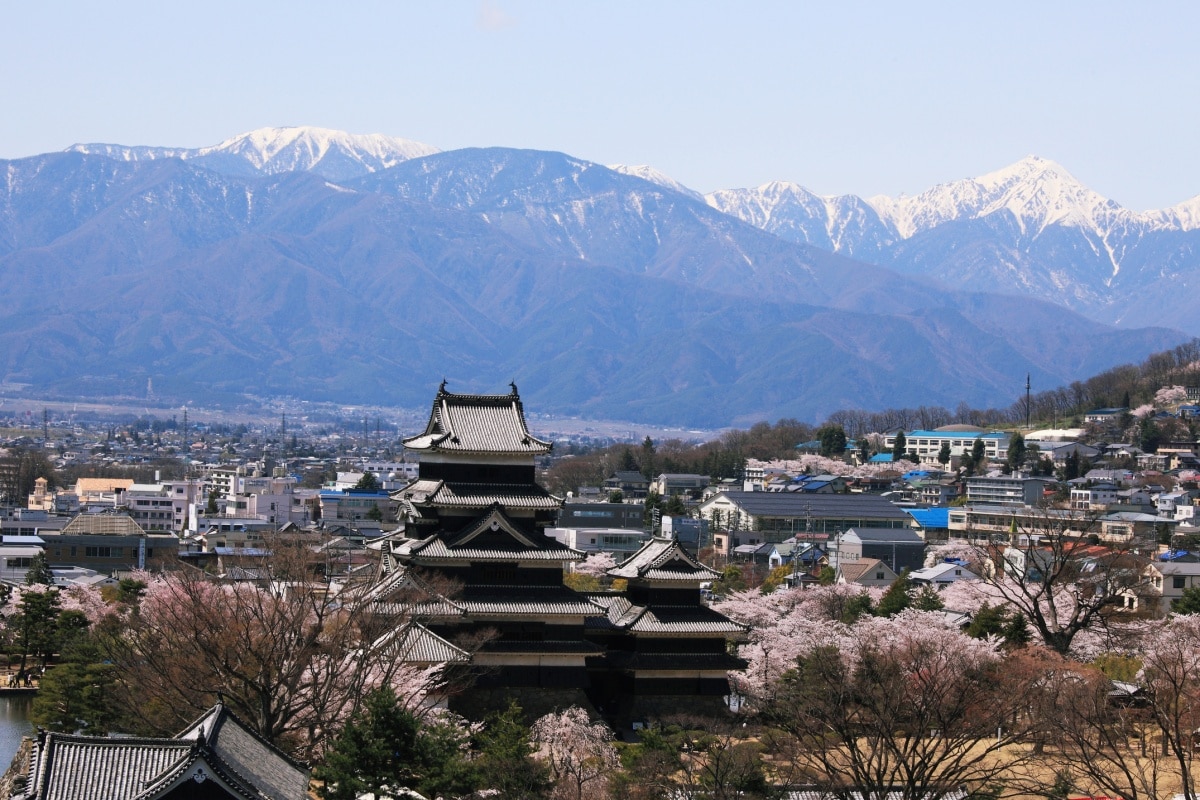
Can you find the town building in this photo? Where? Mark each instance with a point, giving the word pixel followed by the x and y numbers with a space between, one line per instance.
pixel 107 542
pixel 924 446
pixel 738 518
pixel 1016 490
pixel 601 515
pixel 898 548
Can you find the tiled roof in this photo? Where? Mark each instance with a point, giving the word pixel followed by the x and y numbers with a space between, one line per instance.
pixel 680 620
pixel 552 601
pixel 476 495
pixel 493 536
pixel 484 495
pixel 269 770
pixel 437 549
pixel 216 746
pixel 82 767
pixel 663 559
pixel 471 423
pixel 416 644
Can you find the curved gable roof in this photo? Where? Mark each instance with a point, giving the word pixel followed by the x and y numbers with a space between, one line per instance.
pixel 477 423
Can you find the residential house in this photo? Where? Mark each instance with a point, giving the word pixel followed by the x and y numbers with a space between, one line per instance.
pixel 866 572
pixel 632 484
pixel 1119 527
pixel 1100 416
pixel 672 483
pixel 899 548
pixel 1167 581
pixel 931 524
pixel 1096 497
pixel 942 575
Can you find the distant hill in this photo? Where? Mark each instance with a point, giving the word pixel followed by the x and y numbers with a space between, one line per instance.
pixel 601 293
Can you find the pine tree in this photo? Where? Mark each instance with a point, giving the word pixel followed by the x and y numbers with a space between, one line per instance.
pixel 39 571
pixel 896 598
pixel 384 748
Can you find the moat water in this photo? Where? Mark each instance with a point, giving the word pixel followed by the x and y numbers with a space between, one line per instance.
pixel 14 724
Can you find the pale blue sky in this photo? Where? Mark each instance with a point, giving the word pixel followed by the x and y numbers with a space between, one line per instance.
pixel 842 97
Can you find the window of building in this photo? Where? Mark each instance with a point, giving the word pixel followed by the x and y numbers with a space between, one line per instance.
pixel 1178 582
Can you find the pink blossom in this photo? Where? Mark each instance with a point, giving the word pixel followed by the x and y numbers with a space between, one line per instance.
pixel 1170 395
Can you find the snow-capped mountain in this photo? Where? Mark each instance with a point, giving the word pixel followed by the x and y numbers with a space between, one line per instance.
pixel 1030 228
pixel 331 154
pixel 656 176
pixel 601 293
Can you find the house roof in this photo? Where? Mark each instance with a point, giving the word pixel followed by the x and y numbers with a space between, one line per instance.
pixel 477 423
pixel 835 506
pixel 90 485
pixel 103 525
pixel 853 571
pixel 931 574
pixel 930 517
pixel 889 535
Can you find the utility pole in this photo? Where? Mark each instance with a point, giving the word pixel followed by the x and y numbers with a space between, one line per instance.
pixel 1028 403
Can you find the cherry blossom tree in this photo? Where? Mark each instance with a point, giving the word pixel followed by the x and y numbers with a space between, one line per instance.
pixel 904 707
pixel 597 565
pixel 579 753
pixel 1170 395
pixel 1136 742
pixel 290 660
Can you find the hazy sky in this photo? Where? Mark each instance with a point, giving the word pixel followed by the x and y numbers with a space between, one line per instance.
pixel 842 97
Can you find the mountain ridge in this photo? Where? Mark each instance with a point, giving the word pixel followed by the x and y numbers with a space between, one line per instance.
pixel 603 294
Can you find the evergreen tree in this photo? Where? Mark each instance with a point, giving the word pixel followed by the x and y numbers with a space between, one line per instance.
pixel 978 453
pixel 833 440
pixel 899 447
pixel 1188 602
pixel 648 463
pixel 76 695
pixel 896 598
pixel 367 483
pixel 1016 452
pixel 39 571
pixel 928 599
pixel 506 761
pixel 384 748
pixel 856 607
pixel 944 454
pixel 36 626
